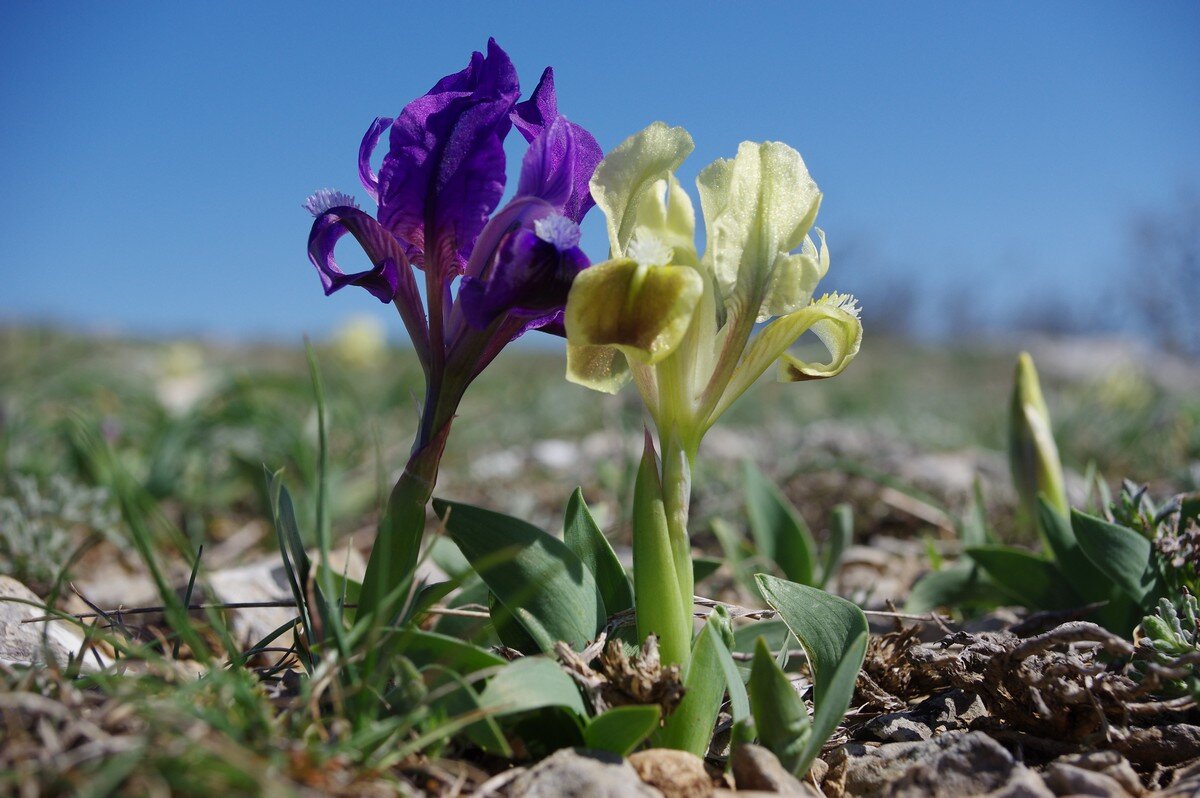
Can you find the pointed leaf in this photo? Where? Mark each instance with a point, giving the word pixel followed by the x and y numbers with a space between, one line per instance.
pixel 430 648
pixel 531 683
pixel 622 729
pixel 534 575
pixel 833 633
pixel 841 536
pixel 779 532
pixel 779 713
pixel 1035 582
pixel 690 726
pixel 583 536
pixel 1121 554
pixel 1086 579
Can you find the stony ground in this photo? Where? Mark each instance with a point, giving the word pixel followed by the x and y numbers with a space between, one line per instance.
pixel 1006 704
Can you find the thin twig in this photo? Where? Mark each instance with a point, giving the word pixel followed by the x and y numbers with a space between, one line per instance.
pixel 234 605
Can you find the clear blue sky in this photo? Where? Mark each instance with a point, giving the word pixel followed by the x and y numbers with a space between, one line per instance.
pixel 155 155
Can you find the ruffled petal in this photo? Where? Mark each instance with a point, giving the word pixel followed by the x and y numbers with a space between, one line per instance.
pixel 628 175
pixel 390 277
pixel 642 310
pixel 835 322
pixel 758 206
pixel 444 173
pixel 382 280
pixel 531 116
pixel 548 169
pixel 369 179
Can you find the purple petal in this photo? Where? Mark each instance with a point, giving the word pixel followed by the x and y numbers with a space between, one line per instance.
pixel 381 280
pixel 529 279
pixel 533 115
pixel 587 155
pixel 369 179
pixel 547 171
pixel 444 173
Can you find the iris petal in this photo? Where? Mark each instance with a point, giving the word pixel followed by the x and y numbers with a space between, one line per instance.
pixel 642 310
pixel 369 179
pixel 444 172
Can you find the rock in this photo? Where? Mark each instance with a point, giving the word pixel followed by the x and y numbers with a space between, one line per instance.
pixel 949 711
pixel 579 773
pixel 1162 745
pixel 954 709
pixel 1109 765
pixel 950 765
pixel 895 727
pixel 1072 780
pixel 756 768
pixel 32 644
pixel 677 774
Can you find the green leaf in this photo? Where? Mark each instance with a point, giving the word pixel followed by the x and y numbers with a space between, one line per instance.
pixel 841 535
pixel 1025 577
pixel 455 705
pixel 430 648
pixel 974 530
pixel 962 585
pixel 779 712
pixel 541 583
pixel 736 551
pixel 1121 554
pixel 1087 580
pixel 833 633
pixel 531 683
pixel 690 726
pixel 774 631
pixel 583 536
pixel 779 532
pixel 622 729
pixel 704 567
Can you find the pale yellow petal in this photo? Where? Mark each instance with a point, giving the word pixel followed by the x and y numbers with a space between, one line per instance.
pixel 628 174
pixel 601 368
pixel 642 310
pixel 838 328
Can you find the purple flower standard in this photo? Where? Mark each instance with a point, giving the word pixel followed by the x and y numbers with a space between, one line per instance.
pixel 440 181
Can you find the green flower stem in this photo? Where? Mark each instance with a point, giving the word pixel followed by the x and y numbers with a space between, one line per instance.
pixel 657 591
pixel 398 543
pixel 677 494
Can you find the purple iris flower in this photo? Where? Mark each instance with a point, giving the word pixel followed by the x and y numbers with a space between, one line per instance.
pixel 437 188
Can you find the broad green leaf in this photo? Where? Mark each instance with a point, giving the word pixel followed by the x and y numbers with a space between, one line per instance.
pixel 778 530
pixel 531 683
pixel 1121 554
pixel 833 633
pixel 690 726
pixel 1087 580
pixel 462 701
pixel 963 586
pixel 704 567
pixel 774 631
pixel 779 713
pixel 583 536
pixel 974 529
pixel 509 629
pixel 1027 578
pixel 737 552
pixel 430 648
pixel 622 729
pixel 534 575
pixel 841 535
